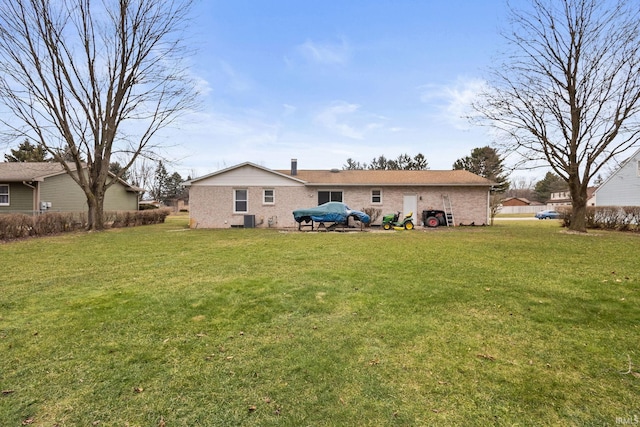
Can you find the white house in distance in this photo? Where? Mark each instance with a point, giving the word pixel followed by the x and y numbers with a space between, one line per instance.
pixel 249 195
pixel 622 188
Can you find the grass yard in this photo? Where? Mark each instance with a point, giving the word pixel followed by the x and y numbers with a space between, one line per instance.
pixel 516 324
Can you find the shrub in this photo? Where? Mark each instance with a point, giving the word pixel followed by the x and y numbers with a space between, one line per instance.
pixel 134 218
pixel 55 222
pixel 373 213
pixel 621 218
pixel 17 226
pixel 147 207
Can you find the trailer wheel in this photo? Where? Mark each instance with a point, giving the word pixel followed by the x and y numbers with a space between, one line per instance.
pixel 432 221
pixel 408 225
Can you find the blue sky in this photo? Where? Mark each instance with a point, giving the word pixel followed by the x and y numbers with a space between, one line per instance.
pixel 323 81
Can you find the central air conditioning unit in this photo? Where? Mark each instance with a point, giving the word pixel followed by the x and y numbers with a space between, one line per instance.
pixel 249 221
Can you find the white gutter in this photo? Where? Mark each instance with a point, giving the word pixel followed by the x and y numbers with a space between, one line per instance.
pixel 36 194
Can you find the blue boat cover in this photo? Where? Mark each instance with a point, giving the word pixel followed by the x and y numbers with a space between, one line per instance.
pixel 330 212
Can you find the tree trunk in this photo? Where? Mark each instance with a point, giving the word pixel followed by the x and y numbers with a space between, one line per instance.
pixel 95 220
pixel 578 221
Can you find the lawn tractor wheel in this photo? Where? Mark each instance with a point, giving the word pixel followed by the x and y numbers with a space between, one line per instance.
pixel 387 226
pixel 432 221
pixel 408 225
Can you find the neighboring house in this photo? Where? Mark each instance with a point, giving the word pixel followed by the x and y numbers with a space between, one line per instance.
pixel 563 198
pixel 622 188
pixel 559 198
pixel 36 187
pixel 515 201
pixel 519 205
pixel 252 195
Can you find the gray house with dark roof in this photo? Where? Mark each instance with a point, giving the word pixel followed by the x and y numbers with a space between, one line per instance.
pixel 37 187
pixel 268 197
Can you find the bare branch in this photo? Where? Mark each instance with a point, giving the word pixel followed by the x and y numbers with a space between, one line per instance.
pixel 88 79
pixel 569 93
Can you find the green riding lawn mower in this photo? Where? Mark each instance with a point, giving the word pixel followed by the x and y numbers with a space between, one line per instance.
pixel 392 221
pixel 430 218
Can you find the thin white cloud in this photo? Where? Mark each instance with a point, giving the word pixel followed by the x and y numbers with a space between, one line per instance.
pixel 348 120
pixel 335 116
pixel 288 110
pixel 453 102
pixel 325 53
pixel 235 80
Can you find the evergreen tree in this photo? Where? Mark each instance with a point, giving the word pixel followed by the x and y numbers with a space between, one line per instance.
pixel 166 187
pixel 486 162
pixel 551 183
pixel 403 162
pixel 116 167
pixel 354 165
pixel 157 190
pixel 27 152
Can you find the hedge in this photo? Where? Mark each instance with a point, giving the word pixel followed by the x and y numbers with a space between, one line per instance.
pixel 17 226
pixel 620 218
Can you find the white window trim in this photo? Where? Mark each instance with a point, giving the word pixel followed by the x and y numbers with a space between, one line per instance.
pixel 235 200
pixel 264 196
pixel 380 195
pixel 8 194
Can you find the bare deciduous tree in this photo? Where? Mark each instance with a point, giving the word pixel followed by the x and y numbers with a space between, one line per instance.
pixel 569 93
pixel 92 80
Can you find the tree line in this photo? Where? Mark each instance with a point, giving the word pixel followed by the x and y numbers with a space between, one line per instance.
pixel 566 93
pixel 483 161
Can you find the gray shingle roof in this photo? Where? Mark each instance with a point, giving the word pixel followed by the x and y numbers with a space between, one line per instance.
pixel 390 177
pixel 38 171
pixel 27 171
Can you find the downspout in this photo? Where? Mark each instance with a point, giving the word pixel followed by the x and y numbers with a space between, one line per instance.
pixel 489 219
pixel 36 195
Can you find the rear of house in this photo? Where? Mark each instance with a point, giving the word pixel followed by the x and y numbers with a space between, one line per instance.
pixel 248 195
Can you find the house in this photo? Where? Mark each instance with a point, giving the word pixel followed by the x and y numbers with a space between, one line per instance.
pixel 563 198
pixel 622 188
pixel 559 198
pixel 515 201
pixel 251 195
pixel 519 205
pixel 36 187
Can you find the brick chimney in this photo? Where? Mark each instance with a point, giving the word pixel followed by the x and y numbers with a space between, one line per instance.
pixel 294 167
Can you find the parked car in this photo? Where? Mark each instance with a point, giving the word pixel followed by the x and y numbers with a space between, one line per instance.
pixel 548 214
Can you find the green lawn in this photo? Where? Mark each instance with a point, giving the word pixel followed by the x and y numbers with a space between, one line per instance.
pixel 516 324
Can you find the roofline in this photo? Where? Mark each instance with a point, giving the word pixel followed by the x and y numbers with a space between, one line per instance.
pixel 367 184
pixel 331 184
pixel 610 177
pixel 221 171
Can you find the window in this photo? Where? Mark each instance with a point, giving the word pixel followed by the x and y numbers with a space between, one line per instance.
pixel 240 201
pixel 638 167
pixel 268 197
pixel 4 194
pixel 376 196
pixel 329 196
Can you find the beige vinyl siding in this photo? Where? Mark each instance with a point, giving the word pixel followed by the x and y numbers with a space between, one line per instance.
pixel 65 195
pixel 119 199
pixel 20 198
